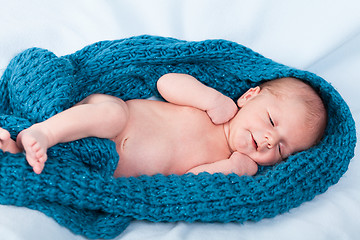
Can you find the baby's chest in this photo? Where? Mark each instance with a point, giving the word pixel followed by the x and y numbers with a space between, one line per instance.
pixel 164 141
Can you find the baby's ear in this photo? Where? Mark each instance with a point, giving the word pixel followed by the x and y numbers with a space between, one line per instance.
pixel 252 92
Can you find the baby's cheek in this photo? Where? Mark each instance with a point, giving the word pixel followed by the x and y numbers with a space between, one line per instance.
pixel 243 142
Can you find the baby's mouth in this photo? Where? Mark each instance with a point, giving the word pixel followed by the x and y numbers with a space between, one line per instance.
pixel 254 142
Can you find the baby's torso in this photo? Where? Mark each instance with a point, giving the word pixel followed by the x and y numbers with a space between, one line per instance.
pixel 165 138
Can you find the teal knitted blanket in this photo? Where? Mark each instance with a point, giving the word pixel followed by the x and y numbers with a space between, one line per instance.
pixel 76 187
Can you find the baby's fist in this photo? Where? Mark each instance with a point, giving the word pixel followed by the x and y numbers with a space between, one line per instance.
pixel 244 164
pixel 222 109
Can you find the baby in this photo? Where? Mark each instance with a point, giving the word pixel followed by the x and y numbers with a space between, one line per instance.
pixel 197 130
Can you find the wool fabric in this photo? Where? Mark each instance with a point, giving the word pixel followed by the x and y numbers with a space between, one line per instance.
pixel 76 187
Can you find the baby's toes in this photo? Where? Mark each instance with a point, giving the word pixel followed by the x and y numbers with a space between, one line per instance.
pixel 31 159
pixel 4 137
pixel 35 147
pixel 37 150
pixel 29 146
pixel 31 155
pixel 42 157
pixel 38 167
pixel 4 134
pixel 40 153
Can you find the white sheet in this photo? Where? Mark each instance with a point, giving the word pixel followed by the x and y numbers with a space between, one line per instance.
pixel 319 36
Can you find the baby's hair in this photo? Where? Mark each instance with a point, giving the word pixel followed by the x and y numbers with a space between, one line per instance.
pixel 316 118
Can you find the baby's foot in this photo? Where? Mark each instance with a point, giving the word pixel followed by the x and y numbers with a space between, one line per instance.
pixel 35 144
pixel 6 143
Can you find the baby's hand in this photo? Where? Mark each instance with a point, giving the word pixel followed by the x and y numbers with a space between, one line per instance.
pixel 222 109
pixel 245 164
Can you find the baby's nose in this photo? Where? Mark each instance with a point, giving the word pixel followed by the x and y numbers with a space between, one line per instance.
pixel 272 140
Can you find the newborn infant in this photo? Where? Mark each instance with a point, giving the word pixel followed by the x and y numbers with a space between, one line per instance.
pixel 197 130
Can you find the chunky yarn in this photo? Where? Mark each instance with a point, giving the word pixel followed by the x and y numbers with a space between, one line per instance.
pixel 76 187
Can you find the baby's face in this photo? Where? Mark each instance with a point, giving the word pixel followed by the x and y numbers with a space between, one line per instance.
pixel 267 128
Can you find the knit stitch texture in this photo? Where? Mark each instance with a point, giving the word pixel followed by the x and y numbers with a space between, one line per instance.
pixel 76 187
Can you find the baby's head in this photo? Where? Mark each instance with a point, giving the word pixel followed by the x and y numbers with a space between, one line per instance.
pixel 277 119
pixel 315 112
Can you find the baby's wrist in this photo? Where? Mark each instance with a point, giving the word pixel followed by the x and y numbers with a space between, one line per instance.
pixel 218 100
pixel 221 108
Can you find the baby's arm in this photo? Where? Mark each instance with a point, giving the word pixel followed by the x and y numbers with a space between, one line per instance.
pixel 238 163
pixel 183 89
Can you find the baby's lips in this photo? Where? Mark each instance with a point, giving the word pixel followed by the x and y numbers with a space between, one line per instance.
pixel 253 142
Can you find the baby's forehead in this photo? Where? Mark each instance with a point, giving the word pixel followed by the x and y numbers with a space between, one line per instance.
pixel 288 85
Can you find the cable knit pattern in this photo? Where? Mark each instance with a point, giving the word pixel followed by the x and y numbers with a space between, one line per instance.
pixel 76 187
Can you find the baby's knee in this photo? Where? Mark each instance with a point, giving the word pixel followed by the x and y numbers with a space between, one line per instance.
pixel 119 108
pixel 116 113
pixel 113 111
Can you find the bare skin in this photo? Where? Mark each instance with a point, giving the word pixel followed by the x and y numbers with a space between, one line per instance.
pixel 6 143
pixel 197 130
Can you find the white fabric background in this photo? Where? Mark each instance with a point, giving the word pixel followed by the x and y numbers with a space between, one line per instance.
pixel 320 36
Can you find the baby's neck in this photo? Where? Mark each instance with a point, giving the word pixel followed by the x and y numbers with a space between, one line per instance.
pixel 226 128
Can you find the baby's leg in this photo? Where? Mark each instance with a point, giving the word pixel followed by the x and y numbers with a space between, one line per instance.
pixel 98 115
pixel 6 143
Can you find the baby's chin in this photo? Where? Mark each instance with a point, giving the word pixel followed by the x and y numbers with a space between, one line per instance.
pixel 244 145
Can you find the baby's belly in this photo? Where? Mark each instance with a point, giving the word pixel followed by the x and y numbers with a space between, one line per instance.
pixel 143 157
pixel 152 152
